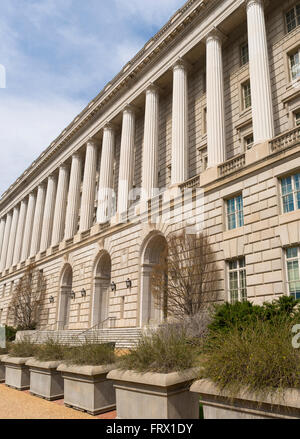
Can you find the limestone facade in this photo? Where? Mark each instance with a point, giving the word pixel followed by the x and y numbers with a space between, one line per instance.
pixel 209 108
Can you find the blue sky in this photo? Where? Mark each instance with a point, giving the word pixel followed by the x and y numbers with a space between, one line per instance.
pixel 58 55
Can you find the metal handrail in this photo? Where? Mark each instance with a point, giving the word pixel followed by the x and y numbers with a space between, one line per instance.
pixel 97 325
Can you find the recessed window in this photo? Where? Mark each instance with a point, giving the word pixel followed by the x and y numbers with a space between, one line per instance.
pixel 246 94
pixel 292 18
pixel 205 120
pixel 244 54
pixel 237 283
pixel 293 271
pixel 235 214
pixel 290 193
pixel 297 119
pixel 248 141
pixel 295 65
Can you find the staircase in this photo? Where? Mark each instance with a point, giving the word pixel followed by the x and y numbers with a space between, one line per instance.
pixel 122 337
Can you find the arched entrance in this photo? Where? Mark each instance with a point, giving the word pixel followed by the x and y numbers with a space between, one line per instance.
pixel 155 247
pixel 65 297
pixel 102 280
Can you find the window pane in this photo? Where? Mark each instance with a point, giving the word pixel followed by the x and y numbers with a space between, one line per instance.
pixel 293 270
pixel 295 66
pixel 291 252
pixel 286 185
pixel 244 54
pixel 288 203
pixel 231 222
pixel 231 205
pixel 232 265
pixel 298 14
pixel 242 262
pixel 291 20
pixel 297 181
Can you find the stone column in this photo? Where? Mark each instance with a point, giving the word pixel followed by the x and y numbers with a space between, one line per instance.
pixel 38 220
pixel 5 241
pixel 261 94
pixel 2 229
pixel 73 197
pixel 48 213
pixel 12 237
pixel 60 205
pixel 28 227
pixel 20 232
pixel 126 158
pixel 216 142
pixel 150 152
pixel 179 171
pixel 88 187
pixel 105 200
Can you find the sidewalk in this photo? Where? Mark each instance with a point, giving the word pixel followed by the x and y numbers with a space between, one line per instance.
pixel 21 405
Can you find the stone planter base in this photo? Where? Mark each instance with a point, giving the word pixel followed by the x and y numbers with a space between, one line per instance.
pixel 155 395
pixel 217 405
pixel 87 389
pixel 45 381
pixel 2 368
pixel 17 373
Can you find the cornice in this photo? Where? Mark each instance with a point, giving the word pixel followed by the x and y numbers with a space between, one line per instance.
pixel 177 23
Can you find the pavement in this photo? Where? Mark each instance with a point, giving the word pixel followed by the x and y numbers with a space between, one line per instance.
pixel 15 404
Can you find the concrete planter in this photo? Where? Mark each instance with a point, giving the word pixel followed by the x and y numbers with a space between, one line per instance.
pixel 155 395
pixel 86 388
pixel 17 373
pixel 45 381
pixel 218 405
pixel 2 368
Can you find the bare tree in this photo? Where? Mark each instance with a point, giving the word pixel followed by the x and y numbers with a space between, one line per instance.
pixel 184 282
pixel 27 297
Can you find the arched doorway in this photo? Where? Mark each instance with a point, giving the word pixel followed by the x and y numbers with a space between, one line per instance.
pixel 102 280
pixel 155 247
pixel 65 297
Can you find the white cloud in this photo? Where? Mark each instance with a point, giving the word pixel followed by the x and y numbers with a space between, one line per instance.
pixel 27 128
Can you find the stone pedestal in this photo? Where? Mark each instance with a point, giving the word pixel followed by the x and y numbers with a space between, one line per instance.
pixel 17 373
pixel 45 381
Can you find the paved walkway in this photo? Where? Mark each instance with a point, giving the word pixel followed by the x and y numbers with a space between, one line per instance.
pixel 21 405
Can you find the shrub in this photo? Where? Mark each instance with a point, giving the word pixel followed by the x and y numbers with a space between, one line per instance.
pixel 166 350
pixel 10 333
pixel 260 357
pixel 51 350
pixel 92 354
pixel 240 314
pixel 23 348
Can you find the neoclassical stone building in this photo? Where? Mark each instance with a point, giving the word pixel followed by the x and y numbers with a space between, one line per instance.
pixel 210 107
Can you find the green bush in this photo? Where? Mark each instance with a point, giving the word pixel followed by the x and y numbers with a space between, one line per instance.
pixel 10 333
pixel 240 314
pixel 23 348
pixel 92 354
pixel 166 350
pixel 51 350
pixel 259 357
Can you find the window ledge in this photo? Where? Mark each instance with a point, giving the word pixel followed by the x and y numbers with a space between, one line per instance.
pixel 289 217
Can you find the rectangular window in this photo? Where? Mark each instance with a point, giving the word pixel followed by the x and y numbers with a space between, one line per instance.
pixel 290 193
pixel 235 215
pixel 297 119
pixel 293 271
pixel 244 54
pixel 237 280
pixel 295 65
pixel 205 120
pixel 248 141
pixel 292 18
pixel 246 90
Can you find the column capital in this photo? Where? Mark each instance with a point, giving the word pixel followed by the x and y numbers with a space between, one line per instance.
pixel 42 185
pixel 181 64
pixel 52 176
pixel 91 142
pixel 63 166
pixel 130 108
pixel 76 155
pixel 152 88
pixel 216 34
pixel 249 3
pixel 109 126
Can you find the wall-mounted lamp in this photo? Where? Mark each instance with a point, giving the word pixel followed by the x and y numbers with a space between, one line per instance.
pixel 128 283
pixel 51 299
pixel 83 293
pixel 113 286
pixel 72 295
